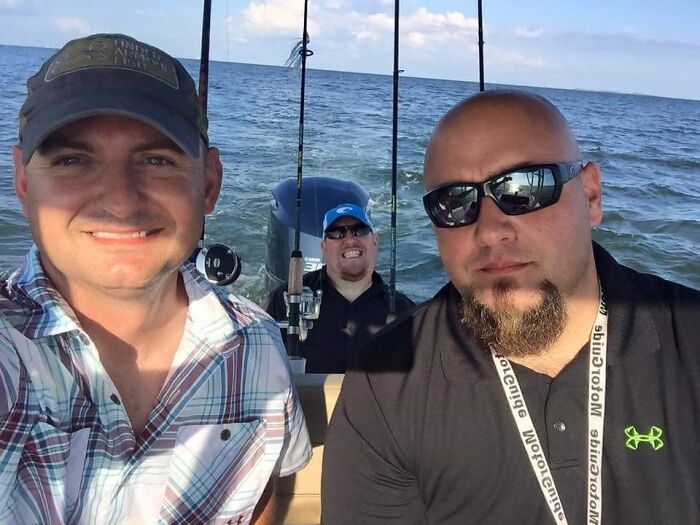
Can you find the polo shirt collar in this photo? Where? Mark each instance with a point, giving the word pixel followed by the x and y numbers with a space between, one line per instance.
pixel 461 356
pixel 324 282
pixel 632 332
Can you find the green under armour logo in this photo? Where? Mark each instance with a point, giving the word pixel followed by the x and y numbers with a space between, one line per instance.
pixel 634 438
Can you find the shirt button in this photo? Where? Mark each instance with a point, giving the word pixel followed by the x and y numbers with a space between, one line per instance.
pixel 115 399
pixel 225 434
pixel 560 426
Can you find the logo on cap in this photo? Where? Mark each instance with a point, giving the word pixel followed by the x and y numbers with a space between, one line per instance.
pixel 117 52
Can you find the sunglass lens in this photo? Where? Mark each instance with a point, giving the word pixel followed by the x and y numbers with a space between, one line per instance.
pixel 454 205
pixel 339 232
pixel 360 230
pixel 336 233
pixel 524 191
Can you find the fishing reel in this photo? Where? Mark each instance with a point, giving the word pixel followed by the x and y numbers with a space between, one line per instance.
pixel 217 262
pixel 309 311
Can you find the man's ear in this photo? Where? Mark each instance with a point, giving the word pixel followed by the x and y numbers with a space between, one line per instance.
pixel 375 236
pixel 213 176
pixel 20 177
pixel 592 187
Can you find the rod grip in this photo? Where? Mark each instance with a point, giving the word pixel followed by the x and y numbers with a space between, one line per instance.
pixel 294 282
pixel 294 289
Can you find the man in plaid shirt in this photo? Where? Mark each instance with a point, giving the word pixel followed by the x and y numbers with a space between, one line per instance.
pixel 131 391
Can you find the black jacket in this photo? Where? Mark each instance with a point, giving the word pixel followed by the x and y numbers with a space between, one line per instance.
pixel 343 327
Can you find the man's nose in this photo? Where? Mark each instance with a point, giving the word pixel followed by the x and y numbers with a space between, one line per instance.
pixel 493 226
pixel 122 192
pixel 350 238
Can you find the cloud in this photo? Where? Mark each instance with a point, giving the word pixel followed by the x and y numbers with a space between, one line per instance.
pixel 623 40
pixel 72 25
pixel 452 20
pixel 366 34
pixel 151 13
pixel 285 18
pixel 517 58
pixel 529 32
pixel 417 38
pixel 234 31
pixel 381 22
pixel 22 7
pixel 420 28
pixel 276 16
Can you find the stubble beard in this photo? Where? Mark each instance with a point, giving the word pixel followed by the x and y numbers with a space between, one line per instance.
pixel 511 331
pixel 353 277
pixel 353 273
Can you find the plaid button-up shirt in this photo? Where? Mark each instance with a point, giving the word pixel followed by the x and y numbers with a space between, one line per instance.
pixel 225 421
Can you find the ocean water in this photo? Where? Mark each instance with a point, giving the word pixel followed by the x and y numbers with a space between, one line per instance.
pixel 648 149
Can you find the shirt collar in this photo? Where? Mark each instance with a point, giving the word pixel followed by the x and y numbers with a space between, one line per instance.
pixel 208 302
pixel 46 313
pixel 221 312
pixel 323 280
pixel 632 332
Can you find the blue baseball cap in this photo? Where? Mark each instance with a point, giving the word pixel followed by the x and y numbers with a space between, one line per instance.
pixel 346 210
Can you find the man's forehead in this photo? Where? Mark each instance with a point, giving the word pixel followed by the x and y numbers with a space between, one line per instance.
pixel 477 140
pixel 500 121
pixel 86 130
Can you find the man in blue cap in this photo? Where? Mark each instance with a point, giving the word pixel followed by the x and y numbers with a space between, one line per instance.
pixel 355 302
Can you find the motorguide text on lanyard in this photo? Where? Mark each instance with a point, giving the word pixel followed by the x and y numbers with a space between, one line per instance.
pixel 596 418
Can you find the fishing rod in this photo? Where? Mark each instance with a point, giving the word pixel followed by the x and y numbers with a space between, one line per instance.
pixel 394 153
pixel 204 58
pixel 294 282
pixel 219 263
pixel 481 49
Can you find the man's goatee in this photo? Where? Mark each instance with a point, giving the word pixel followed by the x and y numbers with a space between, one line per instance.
pixel 511 331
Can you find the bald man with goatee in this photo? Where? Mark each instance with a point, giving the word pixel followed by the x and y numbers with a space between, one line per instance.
pixel 545 383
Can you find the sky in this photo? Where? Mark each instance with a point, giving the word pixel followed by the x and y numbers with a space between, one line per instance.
pixel 628 46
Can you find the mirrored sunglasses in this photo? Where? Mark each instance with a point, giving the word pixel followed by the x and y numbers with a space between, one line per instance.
pixel 515 192
pixel 339 232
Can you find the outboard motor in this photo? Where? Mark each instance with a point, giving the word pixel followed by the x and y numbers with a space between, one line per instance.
pixel 318 195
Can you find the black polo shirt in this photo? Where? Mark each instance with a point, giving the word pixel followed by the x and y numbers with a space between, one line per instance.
pixel 343 326
pixel 424 434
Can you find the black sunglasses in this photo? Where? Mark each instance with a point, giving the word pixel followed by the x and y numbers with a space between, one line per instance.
pixel 339 232
pixel 516 192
